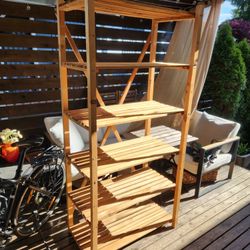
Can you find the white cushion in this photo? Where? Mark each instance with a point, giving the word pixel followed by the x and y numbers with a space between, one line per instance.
pixel 76 141
pixel 192 166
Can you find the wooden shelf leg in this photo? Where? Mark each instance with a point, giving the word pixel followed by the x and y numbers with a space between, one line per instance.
pixel 64 105
pixel 92 104
pixel 187 108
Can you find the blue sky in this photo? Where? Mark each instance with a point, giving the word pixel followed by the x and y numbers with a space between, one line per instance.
pixel 226 11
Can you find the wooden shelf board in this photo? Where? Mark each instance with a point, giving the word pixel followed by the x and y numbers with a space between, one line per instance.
pixel 122 155
pixel 117 194
pixel 123 113
pixel 130 8
pixel 126 65
pixel 122 228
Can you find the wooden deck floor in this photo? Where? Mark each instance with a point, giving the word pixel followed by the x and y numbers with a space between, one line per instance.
pixel 218 220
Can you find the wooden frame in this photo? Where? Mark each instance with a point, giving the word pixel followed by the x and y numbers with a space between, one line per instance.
pixel 98 161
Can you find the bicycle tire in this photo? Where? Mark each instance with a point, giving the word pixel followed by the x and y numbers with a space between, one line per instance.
pixel 34 207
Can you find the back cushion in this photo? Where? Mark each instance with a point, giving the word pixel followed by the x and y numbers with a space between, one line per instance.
pixel 210 128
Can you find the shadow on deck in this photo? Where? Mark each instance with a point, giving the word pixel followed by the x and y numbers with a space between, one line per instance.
pixel 218 220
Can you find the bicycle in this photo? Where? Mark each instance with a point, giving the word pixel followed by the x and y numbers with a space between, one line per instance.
pixel 29 199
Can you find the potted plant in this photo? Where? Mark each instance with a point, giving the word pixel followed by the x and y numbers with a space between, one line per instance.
pixel 8 152
pixel 243 155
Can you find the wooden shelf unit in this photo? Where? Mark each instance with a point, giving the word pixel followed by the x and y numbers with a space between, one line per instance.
pixel 118 211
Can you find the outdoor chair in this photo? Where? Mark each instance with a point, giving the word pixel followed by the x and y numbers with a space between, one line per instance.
pixel 218 147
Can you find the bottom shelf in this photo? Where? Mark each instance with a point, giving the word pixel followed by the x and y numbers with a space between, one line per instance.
pixel 123 228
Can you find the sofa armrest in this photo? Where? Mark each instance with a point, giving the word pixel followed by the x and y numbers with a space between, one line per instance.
pixel 221 143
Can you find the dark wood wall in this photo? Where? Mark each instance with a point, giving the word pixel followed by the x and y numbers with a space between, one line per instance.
pixel 29 75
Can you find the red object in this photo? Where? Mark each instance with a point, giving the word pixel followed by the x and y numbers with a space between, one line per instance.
pixel 9 153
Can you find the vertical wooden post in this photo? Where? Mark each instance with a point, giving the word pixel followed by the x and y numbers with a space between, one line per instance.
pixel 187 107
pixel 64 105
pixel 151 72
pixel 92 104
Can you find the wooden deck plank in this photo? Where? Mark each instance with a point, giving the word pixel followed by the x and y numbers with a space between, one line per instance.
pixel 221 202
pixel 242 242
pixel 231 235
pixel 211 236
pixel 194 214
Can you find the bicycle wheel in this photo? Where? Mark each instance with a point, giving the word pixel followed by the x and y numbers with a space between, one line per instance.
pixel 41 196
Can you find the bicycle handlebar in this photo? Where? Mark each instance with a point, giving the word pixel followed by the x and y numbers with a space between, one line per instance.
pixel 30 142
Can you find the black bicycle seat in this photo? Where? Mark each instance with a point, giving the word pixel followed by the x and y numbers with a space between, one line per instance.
pixel 30 142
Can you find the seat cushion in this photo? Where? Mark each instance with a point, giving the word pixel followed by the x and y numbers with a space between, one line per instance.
pixel 192 166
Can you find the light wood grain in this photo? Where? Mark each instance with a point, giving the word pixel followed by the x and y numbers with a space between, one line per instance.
pixel 129 8
pixel 123 155
pixel 125 113
pixel 117 194
pixel 127 65
pixel 118 230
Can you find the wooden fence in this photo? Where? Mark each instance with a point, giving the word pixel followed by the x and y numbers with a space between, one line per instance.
pixel 29 77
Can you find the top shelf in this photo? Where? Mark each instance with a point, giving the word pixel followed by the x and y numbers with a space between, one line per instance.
pixel 131 9
pixel 127 65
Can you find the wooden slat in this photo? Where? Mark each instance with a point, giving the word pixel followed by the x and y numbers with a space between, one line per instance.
pixel 127 65
pixel 128 8
pixel 36 96
pixel 120 193
pixel 41 27
pixel 26 41
pixel 37 109
pixel 122 228
pixel 124 113
pixel 20 10
pixel 168 135
pixel 123 155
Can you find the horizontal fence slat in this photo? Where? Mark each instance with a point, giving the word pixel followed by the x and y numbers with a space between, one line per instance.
pixel 40 108
pixel 43 12
pixel 25 41
pixel 9 25
pixel 52 56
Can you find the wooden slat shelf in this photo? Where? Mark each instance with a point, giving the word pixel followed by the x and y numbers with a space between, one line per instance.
pixel 124 113
pixel 129 8
pixel 127 65
pixel 122 228
pixel 117 194
pixel 123 155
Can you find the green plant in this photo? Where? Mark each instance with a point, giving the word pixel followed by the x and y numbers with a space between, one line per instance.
pixel 243 149
pixel 9 136
pixel 242 9
pixel 243 116
pixel 226 76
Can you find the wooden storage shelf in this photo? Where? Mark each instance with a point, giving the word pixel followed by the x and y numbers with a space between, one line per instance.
pixel 122 228
pixel 122 155
pixel 129 8
pixel 126 65
pixel 123 113
pixel 119 193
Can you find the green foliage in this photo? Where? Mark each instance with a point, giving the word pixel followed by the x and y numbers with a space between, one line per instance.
pixel 243 115
pixel 243 149
pixel 226 76
pixel 242 9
